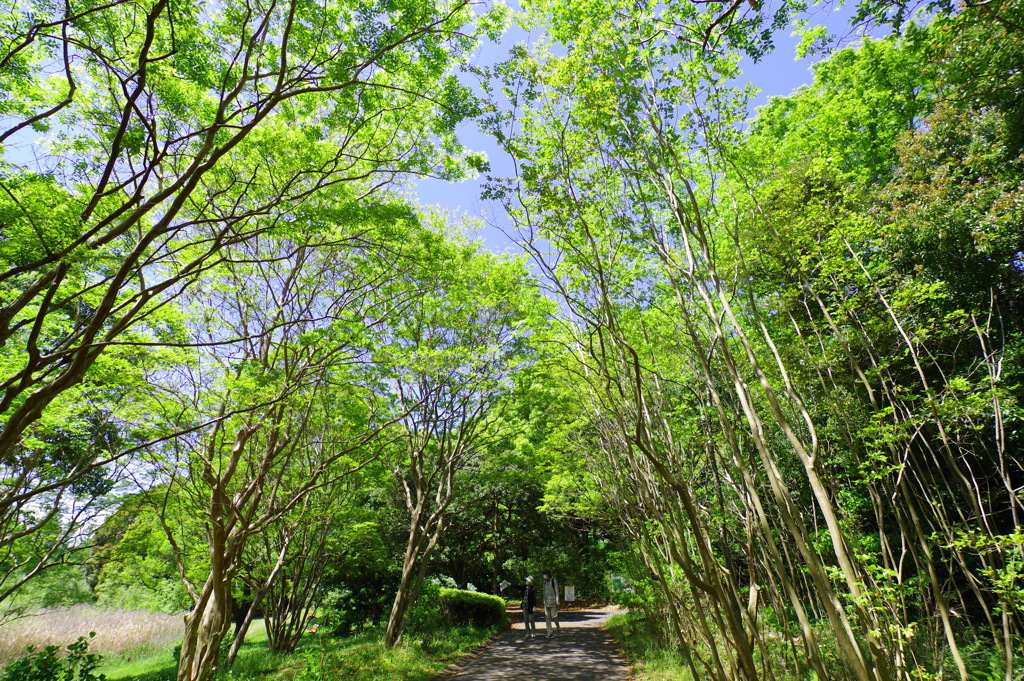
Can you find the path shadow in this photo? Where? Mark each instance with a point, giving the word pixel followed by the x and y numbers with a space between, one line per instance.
pixel 583 652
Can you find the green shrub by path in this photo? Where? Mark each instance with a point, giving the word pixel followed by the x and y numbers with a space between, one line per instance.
pixel 472 608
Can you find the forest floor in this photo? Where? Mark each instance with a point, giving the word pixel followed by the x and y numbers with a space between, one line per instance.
pixel 583 652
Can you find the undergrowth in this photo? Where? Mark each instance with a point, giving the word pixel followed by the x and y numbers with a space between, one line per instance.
pixel 647 656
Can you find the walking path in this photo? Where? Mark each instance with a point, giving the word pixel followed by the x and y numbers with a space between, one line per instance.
pixel 583 652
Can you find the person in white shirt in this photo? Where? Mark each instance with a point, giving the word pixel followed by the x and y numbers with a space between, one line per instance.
pixel 551 604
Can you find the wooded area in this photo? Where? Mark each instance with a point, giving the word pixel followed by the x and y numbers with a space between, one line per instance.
pixel 767 365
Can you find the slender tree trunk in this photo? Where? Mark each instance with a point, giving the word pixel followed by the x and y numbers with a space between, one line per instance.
pixel 243 629
pixel 396 619
pixel 494 555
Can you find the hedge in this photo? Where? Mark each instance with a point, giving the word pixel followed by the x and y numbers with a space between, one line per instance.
pixel 469 607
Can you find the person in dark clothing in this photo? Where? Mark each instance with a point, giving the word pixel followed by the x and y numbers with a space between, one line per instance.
pixel 529 603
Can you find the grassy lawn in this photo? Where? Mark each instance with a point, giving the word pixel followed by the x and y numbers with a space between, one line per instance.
pixel 319 656
pixel 160 665
pixel 363 658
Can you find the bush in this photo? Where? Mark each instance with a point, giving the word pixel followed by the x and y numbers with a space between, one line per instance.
pixel 47 665
pixel 346 612
pixel 472 608
pixel 425 616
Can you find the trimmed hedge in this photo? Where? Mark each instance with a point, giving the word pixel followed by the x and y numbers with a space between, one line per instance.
pixel 469 607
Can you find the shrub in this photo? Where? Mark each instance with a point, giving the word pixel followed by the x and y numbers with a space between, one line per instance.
pixel 361 583
pixel 472 608
pixel 46 665
pixel 425 616
pixel 346 612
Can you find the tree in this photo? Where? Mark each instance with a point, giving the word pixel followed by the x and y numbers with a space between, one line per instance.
pixel 764 381
pixel 132 562
pixel 862 100
pixel 787 402
pixel 173 132
pixel 284 568
pixel 280 401
pixel 452 357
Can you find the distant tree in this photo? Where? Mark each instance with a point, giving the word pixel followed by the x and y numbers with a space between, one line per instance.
pixel 134 564
pixel 452 358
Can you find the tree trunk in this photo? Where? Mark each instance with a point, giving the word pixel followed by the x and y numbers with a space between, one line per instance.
pixel 243 629
pixel 205 629
pixel 423 535
pixel 396 620
pixel 494 556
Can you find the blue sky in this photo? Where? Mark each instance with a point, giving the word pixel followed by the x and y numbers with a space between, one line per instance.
pixel 778 73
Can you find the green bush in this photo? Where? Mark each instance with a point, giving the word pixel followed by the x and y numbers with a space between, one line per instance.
pixel 424 618
pixel 47 665
pixel 472 608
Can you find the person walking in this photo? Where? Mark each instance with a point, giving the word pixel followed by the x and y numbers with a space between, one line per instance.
pixel 551 604
pixel 529 603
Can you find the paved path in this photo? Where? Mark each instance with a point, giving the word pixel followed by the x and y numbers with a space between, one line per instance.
pixel 584 652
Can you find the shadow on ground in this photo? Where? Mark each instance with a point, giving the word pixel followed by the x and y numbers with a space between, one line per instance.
pixel 583 652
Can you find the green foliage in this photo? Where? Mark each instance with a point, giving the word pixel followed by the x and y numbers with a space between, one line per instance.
pixel 472 608
pixel 134 564
pixel 955 208
pixel 425 617
pixel 60 586
pixel 95 249
pixel 361 580
pixel 785 374
pixel 863 99
pixel 1004 564
pixel 499 527
pixel 48 664
pixel 788 347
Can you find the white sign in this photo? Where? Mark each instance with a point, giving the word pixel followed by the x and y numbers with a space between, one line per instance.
pixel 502 585
pixel 570 594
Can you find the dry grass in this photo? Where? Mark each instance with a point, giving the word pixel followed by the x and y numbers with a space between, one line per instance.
pixel 118 632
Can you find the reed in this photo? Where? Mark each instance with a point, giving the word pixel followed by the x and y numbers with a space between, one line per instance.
pixel 120 633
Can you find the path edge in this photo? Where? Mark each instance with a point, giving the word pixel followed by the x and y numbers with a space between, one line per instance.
pixel 464 661
pixel 620 651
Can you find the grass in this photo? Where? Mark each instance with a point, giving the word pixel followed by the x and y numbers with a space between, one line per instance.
pixel 320 657
pixel 162 665
pixel 649 660
pixel 364 658
pixel 139 646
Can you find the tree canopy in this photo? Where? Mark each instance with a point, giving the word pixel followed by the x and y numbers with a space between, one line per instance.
pixel 764 366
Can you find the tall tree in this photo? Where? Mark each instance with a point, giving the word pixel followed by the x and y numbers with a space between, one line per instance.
pixel 173 131
pixel 280 398
pixel 453 356
pixel 741 424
